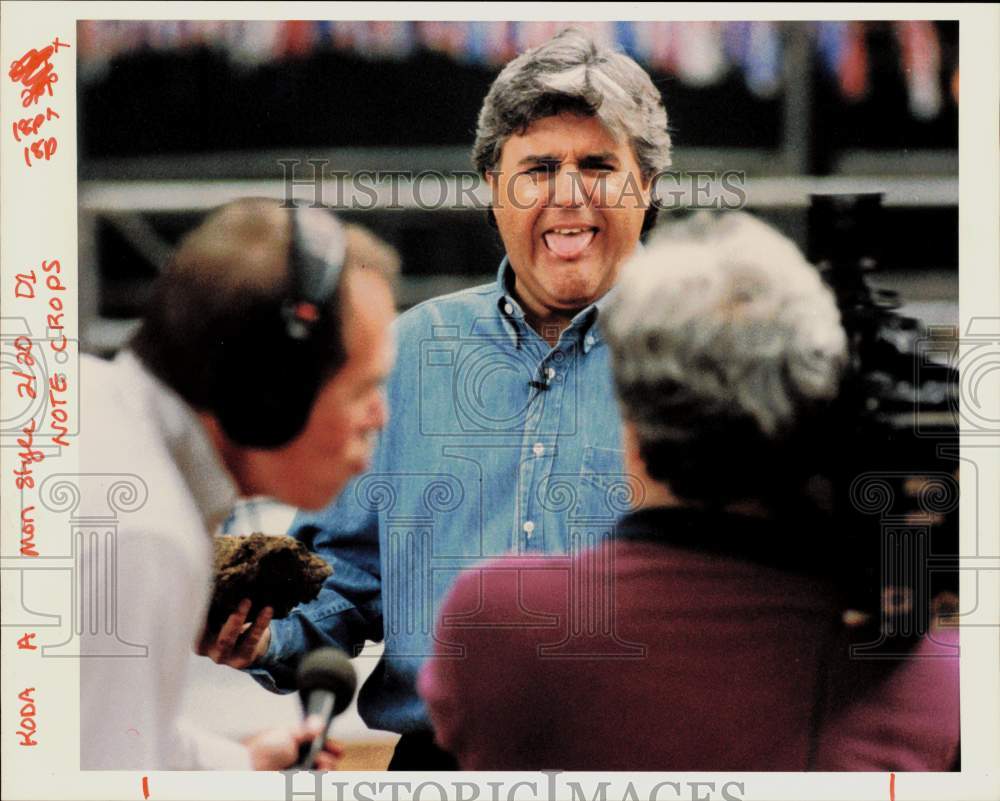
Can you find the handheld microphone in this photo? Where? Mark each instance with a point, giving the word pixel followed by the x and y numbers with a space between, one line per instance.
pixel 327 683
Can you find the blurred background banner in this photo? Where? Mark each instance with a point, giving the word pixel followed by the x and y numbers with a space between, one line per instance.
pixel 179 116
pixel 196 86
pixel 699 54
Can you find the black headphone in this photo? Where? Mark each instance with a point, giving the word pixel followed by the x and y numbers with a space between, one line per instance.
pixel 279 352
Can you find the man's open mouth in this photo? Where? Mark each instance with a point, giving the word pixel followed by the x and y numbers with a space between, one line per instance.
pixel 569 243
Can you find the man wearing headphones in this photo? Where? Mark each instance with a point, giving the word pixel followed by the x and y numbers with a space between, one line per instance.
pixel 258 370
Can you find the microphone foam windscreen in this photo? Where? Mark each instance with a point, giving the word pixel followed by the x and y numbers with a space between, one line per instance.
pixel 328 669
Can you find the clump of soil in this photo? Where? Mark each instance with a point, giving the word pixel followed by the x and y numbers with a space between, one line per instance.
pixel 274 571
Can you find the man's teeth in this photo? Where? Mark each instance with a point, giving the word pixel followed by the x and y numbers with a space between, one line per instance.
pixel 568 243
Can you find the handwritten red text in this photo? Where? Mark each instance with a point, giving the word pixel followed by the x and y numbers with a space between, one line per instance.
pixel 59 417
pixel 54 320
pixel 28 532
pixel 28 725
pixel 24 357
pixel 23 477
pixel 24 285
pixel 34 72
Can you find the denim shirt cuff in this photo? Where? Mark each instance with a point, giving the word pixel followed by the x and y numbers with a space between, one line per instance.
pixel 270 671
pixel 280 644
pixel 269 680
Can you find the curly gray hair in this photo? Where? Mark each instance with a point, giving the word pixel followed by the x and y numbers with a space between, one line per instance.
pixel 721 332
pixel 571 73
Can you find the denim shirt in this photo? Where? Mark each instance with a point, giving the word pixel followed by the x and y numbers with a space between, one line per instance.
pixel 496 443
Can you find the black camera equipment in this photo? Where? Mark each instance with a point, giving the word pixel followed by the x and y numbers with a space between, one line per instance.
pixel 893 460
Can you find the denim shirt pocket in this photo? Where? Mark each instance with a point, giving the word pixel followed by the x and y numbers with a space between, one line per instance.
pixel 604 491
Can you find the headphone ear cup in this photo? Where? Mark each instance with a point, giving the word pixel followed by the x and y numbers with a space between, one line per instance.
pixel 264 386
pixel 266 372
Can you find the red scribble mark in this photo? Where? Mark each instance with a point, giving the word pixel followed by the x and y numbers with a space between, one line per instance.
pixel 129 731
pixel 145 786
pixel 892 787
pixel 35 73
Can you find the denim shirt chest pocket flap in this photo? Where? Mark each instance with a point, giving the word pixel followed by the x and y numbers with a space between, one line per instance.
pixel 600 491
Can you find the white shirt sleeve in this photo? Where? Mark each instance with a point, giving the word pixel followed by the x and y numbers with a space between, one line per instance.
pixel 130 705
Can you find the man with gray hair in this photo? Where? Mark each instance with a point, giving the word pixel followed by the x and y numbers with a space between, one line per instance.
pixel 501 398
pixel 727 349
pixel 724 341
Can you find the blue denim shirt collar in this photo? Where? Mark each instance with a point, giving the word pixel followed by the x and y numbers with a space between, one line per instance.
pixel 583 324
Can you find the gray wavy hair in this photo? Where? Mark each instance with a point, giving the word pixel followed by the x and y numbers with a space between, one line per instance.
pixel 571 73
pixel 721 331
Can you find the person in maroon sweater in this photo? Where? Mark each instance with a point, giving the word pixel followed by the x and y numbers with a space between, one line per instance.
pixel 708 632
